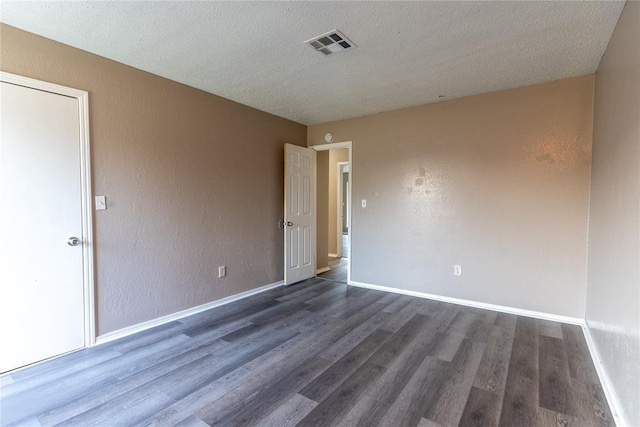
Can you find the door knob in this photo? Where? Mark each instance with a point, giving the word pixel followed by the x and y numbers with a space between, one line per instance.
pixel 289 223
pixel 73 241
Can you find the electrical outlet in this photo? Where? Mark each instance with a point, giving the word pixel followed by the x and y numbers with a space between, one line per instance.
pixel 222 271
pixel 457 270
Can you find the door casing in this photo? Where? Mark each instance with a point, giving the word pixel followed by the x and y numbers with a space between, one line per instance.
pixel 86 194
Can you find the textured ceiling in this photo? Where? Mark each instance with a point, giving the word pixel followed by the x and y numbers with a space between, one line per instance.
pixel 408 52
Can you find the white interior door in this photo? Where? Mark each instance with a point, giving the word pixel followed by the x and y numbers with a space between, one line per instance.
pixel 41 271
pixel 299 218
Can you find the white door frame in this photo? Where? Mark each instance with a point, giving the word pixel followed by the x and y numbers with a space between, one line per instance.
pixel 336 146
pixel 339 219
pixel 85 182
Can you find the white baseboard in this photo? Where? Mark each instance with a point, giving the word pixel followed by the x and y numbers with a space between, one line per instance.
pixel 476 304
pixel 322 270
pixel 180 314
pixel 607 387
pixel 333 255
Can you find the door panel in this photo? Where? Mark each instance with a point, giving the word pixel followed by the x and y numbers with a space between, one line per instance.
pixel 299 244
pixel 41 276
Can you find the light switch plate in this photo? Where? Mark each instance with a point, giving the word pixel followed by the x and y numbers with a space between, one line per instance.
pixel 101 203
pixel 364 203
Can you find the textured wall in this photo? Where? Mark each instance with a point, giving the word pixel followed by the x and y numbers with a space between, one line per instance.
pixel 497 182
pixel 193 181
pixel 322 209
pixel 335 156
pixel 613 289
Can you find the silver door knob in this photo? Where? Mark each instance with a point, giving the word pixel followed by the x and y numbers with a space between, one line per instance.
pixel 289 223
pixel 73 241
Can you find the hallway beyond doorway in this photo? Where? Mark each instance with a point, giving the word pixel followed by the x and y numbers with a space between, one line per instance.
pixel 340 265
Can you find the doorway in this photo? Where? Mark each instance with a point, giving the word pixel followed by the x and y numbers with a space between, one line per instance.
pixel 333 191
pixel 343 209
pixel 46 257
pixel 344 197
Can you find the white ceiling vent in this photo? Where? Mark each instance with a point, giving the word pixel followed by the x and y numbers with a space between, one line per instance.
pixel 331 42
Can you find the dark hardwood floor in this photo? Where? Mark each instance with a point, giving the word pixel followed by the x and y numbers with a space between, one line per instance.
pixel 339 266
pixel 338 272
pixel 321 353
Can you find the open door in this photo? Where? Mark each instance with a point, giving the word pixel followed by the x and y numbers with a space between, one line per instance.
pixel 299 213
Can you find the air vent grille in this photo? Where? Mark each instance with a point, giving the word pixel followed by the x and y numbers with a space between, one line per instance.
pixel 330 43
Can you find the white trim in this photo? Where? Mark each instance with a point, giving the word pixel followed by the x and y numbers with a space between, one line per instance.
pixel 41 85
pixel 87 220
pixel 323 270
pixel 315 217
pixel 607 386
pixel 333 146
pixel 86 195
pixel 129 330
pixel 334 255
pixel 476 304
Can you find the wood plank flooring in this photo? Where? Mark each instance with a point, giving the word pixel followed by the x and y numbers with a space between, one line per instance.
pixel 321 353
pixel 338 266
pixel 338 272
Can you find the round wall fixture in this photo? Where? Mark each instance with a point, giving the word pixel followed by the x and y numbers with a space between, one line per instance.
pixel 328 137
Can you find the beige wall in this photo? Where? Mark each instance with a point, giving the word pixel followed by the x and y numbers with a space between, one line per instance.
pixel 613 289
pixel 335 156
pixel 498 183
pixel 193 181
pixel 322 209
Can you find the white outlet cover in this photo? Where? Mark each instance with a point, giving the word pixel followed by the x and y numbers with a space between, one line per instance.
pixel 457 270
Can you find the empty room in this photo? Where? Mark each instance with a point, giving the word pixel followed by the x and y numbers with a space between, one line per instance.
pixel 320 213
